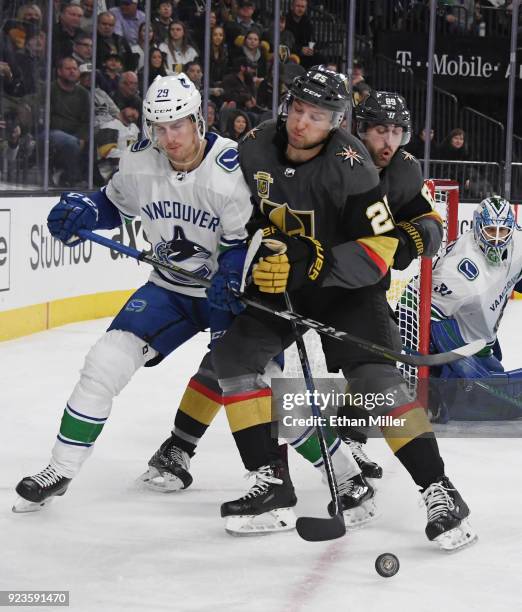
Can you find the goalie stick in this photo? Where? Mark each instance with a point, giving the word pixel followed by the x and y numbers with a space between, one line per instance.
pixel 411 357
pixel 310 528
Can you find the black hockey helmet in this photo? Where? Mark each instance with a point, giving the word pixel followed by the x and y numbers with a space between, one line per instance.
pixel 324 88
pixel 384 108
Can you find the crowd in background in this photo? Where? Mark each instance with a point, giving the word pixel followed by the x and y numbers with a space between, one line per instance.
pixel 241 53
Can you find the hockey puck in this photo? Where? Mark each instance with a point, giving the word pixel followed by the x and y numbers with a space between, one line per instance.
pixel 387 565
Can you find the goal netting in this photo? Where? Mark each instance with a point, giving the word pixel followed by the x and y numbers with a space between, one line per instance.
pixel 409 297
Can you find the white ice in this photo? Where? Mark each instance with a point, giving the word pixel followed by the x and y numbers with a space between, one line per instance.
pixel 115 547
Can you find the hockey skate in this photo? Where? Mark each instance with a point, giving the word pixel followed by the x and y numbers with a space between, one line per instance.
pixel 39 490
pixel 266 508
pixel 448 513
pixel 369 468
pixel 168 469
pixel 357 500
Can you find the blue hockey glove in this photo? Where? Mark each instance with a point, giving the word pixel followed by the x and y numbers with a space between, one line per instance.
pixel 226 282
pixel 73 212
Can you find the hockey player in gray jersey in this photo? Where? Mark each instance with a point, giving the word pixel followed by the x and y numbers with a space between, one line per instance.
pixel 471 284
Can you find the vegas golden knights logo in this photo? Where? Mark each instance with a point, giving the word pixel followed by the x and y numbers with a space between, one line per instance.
pixel 290 221
pixel 263 181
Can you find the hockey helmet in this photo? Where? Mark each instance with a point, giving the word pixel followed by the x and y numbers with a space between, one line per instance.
pixel 384 108
pixel 324 88
pixel 170 98
pixel 493 227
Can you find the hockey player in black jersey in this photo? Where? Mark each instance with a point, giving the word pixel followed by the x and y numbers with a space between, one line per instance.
pixel 331 241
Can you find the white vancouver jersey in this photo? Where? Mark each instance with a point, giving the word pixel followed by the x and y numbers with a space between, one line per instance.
pixel 186 216
pixel 468 289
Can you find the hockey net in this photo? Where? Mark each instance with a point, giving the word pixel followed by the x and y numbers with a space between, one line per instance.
pixel 409 297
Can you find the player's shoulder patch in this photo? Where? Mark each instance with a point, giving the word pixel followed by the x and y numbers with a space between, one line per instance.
pixel 408 157
pixel 228 159
pixel 468 269
pixel 140 145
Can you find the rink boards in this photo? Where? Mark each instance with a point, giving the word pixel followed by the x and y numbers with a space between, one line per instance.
pixel 44 284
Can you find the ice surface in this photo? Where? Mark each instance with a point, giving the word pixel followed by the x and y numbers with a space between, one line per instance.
pixel 115 547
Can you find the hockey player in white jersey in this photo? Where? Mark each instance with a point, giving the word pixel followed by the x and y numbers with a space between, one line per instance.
pixel 472 282
pixel 193 201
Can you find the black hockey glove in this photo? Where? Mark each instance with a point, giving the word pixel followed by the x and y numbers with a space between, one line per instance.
pixel 288 263
pixel 410 244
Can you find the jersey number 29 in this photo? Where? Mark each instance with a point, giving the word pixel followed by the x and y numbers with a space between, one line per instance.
pixel 380 217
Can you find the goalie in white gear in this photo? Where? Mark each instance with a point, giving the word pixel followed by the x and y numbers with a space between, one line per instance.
pixel 193 201
pixel 472 282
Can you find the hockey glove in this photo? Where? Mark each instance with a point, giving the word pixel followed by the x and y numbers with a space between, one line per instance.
pixel 289 263
pixel 226 283
pixel 410 244
pixel 73 212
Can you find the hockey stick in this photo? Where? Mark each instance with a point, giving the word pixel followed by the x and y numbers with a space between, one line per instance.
pixel 411 357
pixel 310 528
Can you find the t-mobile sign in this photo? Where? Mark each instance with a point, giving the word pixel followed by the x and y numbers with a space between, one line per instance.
pixel 5 231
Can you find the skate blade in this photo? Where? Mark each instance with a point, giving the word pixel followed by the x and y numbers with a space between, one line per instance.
pixel 458 538
pixel 281 519
pixel 356 518
pixel 22 505
pixel 161 482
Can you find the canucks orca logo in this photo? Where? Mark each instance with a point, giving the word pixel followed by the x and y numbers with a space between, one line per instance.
pixel 179 249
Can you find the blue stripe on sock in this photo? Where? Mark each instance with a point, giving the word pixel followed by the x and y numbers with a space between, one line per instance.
pixel 63 441
pixel 84 416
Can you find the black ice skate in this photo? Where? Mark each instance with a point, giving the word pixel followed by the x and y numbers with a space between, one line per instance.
pixel 266 508
pixel 357 498
pixel 39 490
pixel 168 469
pixel 448 513
pixel 369 468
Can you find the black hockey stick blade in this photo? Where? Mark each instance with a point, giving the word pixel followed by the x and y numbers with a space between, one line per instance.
pixel 314 529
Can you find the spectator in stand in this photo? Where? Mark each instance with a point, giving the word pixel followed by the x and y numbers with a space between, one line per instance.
pixel 128 20
pixel 239 87
pixel 69 127
pixel 161 23
pixel 226 10
pixel 253 51
pixel 86 22
pixel 286 41
pixel 219 60
pixel 287 73
pixel 108 77
pixel 105 108
pixel 114 138
pixel 238 125
pixel 82 48
pixel 110 43
pixel 157 67
pixel 16 148
pixel 30 14
pixel 358 73
pixel 177 48
pixel 194 72
pixel 32 65
pixel 453 148
pixel 139 49
pixel 65 31
pixel 212 118
pixel 416 145
pixel 298 22
pixel 243 22
pixel 127 93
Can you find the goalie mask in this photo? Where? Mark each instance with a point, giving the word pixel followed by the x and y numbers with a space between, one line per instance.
pixel 169 99
pixel 384 108
pixel 323 88
pixel 493 226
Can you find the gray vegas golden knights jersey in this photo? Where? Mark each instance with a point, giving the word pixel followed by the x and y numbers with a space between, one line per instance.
pixel 187 217
pixel 336 197
pixel 473 292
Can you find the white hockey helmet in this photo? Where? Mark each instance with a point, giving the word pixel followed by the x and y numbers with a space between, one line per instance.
pixel 170 98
